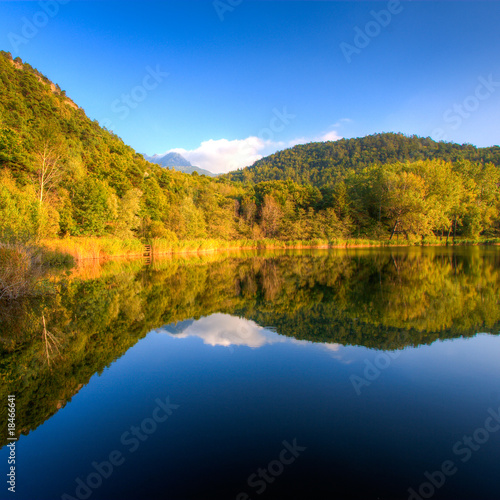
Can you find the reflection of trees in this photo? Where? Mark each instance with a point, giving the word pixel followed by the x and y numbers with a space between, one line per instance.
pixel 382 299
pixel 51 343
pixel 448 291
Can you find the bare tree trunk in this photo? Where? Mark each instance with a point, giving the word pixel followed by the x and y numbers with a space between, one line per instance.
pixel 51 342
pixel 448 235
pixel 45 340
pixel 395 264
pixel 49 172
pixel 394 230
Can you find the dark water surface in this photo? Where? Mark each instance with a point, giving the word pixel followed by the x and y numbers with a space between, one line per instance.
pixel 367 374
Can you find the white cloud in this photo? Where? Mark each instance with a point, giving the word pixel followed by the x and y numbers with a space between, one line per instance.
pixel 225 330
pixel 332 347
pixel 330 136
pixel 298 140
pixel 221 156
pixel 341 122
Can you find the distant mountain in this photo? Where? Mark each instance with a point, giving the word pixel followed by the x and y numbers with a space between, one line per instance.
pixel 323 164
pixel 177 162
pixel 169 160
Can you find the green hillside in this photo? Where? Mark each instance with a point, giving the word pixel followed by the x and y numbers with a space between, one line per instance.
pixel 63 175
pixel 322 164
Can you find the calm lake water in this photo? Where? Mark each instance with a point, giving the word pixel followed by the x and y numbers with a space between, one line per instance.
pixel 361 374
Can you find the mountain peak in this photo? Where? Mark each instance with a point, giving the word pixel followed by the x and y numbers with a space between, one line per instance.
pixel 169 160
pixel 176 161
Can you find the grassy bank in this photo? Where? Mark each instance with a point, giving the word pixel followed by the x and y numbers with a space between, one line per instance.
pixel 109 248
pixel 94 248
pixel 24 269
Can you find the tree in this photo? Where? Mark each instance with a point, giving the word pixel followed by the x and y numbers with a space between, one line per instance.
pixel 17 210
pixel 404 202
pixel 91 209
pixel 479 211
pixel 192 222
pixel 271 216
pixel 11 152
pixel 48 168
pixel 445 193
pixel 128 219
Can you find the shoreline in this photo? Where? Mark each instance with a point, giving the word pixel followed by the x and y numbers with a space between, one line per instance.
pixel 25 266
pixel 100 253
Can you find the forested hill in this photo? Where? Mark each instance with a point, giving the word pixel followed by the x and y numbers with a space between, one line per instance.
pixel 323 163
pixel 35 113
pixel 63 174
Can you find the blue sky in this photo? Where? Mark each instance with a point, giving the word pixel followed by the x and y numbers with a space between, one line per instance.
pixel 226 82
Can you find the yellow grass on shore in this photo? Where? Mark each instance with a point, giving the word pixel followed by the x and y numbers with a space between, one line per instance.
pixel 81 248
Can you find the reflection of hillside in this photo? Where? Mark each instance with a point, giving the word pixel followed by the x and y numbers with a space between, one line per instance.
pixel 380 299
pixel 384 299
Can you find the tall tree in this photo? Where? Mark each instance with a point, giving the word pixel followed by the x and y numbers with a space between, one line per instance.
pixel 49 167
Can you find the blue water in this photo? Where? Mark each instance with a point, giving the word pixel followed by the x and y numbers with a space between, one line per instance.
pixel 253 414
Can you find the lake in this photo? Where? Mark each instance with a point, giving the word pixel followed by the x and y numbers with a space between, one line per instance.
pixel 315 374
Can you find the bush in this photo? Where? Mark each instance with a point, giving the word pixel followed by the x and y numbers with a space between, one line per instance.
pixel 20 270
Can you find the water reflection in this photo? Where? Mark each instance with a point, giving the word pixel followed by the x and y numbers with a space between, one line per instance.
pixel 231 331
pixel 382 299
pixel 224 330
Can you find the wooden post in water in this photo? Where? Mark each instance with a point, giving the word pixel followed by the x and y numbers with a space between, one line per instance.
pixel 147 254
